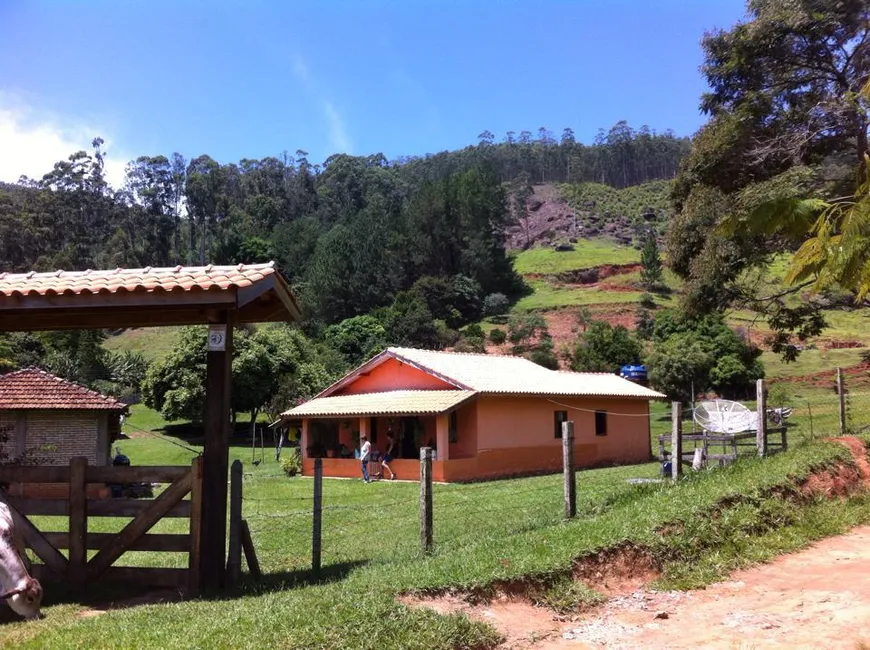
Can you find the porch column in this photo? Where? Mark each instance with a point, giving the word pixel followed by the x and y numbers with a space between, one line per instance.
pixel 442 436
pixel 303 439
pixel 215 455
pixel 364 427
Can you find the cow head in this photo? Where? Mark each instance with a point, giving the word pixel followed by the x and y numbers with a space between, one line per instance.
pixel 27 602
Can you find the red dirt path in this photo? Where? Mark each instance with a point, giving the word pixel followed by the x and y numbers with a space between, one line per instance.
pixel 817 598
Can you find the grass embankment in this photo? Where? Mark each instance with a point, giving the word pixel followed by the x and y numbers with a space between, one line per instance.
pixel 484 533
pixel 587 254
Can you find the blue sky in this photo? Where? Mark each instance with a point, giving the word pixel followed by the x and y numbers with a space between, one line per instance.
pixel 252 79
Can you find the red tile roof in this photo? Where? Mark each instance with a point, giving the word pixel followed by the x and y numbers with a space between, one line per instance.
pixel 31 389
pixel 179 278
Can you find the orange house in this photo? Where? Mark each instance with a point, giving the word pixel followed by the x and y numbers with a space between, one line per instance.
pixel 486 416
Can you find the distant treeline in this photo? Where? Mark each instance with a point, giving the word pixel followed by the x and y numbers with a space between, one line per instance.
pixel 351 233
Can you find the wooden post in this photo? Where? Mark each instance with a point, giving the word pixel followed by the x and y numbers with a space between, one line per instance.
pixel 568 478
pixel 78 521
pixel 761 417
pixel 316 524
pixel 193 563
pixel 841 399
pixel 676 440
pixel 215 458
pixel 426 500
pixel 810 411
pixel 250 553
pixel 234 557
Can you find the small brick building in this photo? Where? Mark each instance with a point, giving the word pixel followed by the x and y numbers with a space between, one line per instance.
pixel 52 420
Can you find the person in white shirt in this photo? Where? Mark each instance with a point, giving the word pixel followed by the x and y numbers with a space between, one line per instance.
pixel 364 453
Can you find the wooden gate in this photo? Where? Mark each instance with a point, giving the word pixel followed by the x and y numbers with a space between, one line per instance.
pixel 77 569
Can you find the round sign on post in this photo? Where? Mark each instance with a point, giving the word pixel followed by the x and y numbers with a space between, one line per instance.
pixel 217 338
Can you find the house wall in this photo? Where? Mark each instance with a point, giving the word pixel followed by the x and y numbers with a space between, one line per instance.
pixel 53 437
pixel 466 439
pixel 501 436
pixel 394 375
pixel 518 432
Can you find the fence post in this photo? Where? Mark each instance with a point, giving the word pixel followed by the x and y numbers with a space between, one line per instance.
pixel 78 521
pixel 570 485
pixel 676 440
pixel 841 399
pixel 234 557
pixel 761 417
pixel 426 500
pixel 316 523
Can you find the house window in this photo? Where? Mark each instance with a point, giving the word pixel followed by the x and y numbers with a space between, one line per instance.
pixel 600 423
pixel 558 418
pixel 373 430
pixel 452 428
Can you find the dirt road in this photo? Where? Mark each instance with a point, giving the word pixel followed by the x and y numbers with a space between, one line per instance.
pixel 818 598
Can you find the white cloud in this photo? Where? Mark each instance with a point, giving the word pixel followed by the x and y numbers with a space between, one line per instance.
pixel 31 143
pixel 337 133
pixel 338 136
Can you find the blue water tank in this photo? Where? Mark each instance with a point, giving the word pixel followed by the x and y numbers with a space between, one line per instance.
pixel 633 373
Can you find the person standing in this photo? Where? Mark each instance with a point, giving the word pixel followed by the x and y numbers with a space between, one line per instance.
pixel 365 451
pixel 388 455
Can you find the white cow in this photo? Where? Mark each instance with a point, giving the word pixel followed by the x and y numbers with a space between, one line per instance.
pixel 17 587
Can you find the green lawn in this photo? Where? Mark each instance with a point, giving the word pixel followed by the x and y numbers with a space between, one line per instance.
pixel 483 532
pixel 587 253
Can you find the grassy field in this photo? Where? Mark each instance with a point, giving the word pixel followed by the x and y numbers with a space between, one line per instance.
pixel 587 253
pixel 483 532
pixel 150 342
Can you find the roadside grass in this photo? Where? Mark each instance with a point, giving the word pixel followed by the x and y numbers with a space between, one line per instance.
pixel 587 254
pixel 486 532
pixel 151 342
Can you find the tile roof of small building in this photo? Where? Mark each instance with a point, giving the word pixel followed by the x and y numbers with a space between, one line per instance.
pixel 34 389
pixel 178 278
pixel 394 402
pixel 494 374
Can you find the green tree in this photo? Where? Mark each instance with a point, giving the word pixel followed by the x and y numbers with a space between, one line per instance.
pixel 524 330
pixel 605 348
pixel 651 274
pixel 679 365
pixel 357 338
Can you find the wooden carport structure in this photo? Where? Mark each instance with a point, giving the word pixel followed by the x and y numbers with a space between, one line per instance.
pixel 218 296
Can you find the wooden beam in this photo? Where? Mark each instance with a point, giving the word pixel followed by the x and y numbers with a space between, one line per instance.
pixel 179 543
pixel 216 459
pixel 78 521
pixel 250 553
pixel 122 542
pixel 193 560
pixel 96 508
pixel 120 300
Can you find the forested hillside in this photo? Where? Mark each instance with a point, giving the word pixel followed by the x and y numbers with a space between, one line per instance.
pixel 350 233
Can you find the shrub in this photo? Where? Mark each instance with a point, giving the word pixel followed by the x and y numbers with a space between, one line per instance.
pixel 495 304
pixel 544 357
pixel 497 336
pixel 470 344
pixel 647 301
pixel 473 331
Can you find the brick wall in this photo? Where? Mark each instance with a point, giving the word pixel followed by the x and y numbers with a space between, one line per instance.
pixel 7 425
pixel 57 436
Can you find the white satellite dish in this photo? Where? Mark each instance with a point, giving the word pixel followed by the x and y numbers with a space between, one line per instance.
pixel 725 416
